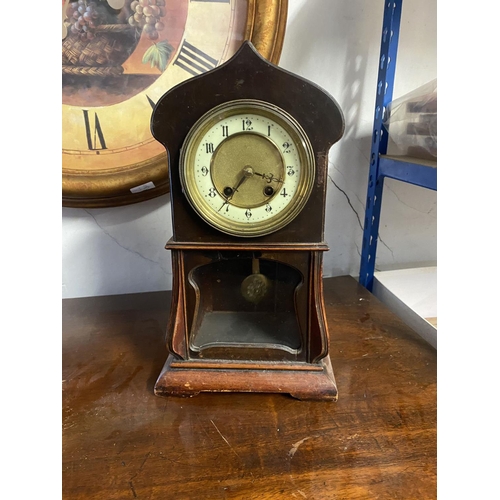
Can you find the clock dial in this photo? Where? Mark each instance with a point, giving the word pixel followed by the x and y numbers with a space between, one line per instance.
pixel 247 168
pixel 119 58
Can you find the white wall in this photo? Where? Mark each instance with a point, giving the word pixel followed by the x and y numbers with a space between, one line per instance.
pixel 336 44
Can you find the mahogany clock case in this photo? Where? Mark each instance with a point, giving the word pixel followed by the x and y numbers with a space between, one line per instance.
pixel 217 341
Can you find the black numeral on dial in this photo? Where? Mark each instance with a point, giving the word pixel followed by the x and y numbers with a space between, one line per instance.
pixel 247 124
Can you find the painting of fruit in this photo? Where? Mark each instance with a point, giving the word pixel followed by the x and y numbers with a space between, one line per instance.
pixel 99 36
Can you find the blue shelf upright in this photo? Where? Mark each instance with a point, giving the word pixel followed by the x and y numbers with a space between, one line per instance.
pixel 405 169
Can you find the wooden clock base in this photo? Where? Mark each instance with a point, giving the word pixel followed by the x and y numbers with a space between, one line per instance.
pixel 300 380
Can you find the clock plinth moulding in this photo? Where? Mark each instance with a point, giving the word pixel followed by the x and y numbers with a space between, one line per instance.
pixel 247 312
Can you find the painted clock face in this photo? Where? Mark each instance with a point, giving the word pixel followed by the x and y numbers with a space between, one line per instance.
pixel 247 168
pixel 119 58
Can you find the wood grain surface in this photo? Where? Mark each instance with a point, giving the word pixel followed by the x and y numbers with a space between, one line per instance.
pixel 122 442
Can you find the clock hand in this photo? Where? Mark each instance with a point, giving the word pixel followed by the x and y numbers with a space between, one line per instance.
pixel 268 177
pixel 223 205
pixel 246 173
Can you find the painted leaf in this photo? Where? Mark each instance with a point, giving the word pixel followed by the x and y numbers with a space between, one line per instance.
pixel 158 55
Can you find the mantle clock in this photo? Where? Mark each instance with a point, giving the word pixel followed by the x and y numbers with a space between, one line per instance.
pixel 248 150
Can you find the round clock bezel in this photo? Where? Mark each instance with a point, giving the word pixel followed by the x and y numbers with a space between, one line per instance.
pixel 301 143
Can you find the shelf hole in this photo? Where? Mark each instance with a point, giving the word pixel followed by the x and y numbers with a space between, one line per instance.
pixel 377 112
pixel 373 159
pixel 384 35
pixel 375 136
pixel 379 87
pixel 371 239
pixel 382 61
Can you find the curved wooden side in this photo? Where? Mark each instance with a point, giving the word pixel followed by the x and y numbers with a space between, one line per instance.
pixel 318 329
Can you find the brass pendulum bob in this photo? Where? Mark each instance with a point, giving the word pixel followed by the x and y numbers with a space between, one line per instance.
pixel 255 287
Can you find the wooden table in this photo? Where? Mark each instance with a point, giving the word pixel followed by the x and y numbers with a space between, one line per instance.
pixel 122 442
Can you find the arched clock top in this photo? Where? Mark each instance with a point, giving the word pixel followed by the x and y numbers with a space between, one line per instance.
pixel 247 75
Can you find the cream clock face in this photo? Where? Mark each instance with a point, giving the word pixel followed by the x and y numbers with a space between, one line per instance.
pixel 247 168
pixel 119 58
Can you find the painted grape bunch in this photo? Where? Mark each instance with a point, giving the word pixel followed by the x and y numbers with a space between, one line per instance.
pixel 84 17
pixel 147 16
pixel 87 20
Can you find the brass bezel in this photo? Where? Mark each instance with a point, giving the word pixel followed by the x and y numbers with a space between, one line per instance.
pixel 302 144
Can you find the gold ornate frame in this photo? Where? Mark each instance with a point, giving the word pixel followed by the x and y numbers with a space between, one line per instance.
pixel 265 28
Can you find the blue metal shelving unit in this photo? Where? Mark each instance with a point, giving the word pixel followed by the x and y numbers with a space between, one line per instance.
pixel 414 171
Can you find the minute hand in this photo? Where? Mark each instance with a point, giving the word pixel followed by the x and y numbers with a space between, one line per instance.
pixel 247 172
pixel 243 178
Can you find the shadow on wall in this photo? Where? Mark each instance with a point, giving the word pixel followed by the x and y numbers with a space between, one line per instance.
pixel 340 38
pixel 336 44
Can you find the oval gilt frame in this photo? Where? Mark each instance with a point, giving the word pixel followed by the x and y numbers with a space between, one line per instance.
pixel 265 28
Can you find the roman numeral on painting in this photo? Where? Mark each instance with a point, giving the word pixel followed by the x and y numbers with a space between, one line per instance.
pixel 194 60
pixel 94 135
pixel 151 102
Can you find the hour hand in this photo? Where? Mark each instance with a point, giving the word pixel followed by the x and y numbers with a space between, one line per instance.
pixel 268 177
